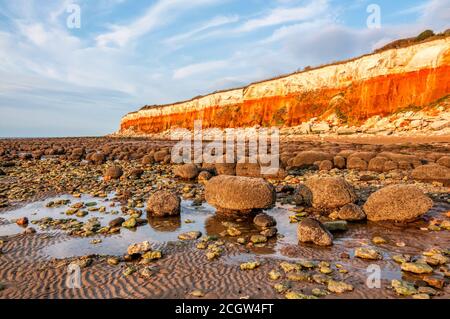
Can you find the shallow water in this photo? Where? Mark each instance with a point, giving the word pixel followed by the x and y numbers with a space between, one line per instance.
pixel 401 239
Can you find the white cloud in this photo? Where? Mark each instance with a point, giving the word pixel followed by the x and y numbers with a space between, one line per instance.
pixel 158 14
pixel 213 23
pixel 436 15
pixel 198 68
pixel 282 15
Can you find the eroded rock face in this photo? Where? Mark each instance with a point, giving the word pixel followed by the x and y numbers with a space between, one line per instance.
pixel 237 193
pixel 400 203
pixel 312 231
pixel 163 203
pixel 330 192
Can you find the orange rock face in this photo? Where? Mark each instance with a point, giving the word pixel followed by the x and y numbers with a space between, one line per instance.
pixel 353 96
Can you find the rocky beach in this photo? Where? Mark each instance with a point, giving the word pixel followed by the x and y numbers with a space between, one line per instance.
pixel 139 226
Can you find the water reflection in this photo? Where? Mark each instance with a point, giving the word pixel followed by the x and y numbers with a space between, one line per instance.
pixel 164 224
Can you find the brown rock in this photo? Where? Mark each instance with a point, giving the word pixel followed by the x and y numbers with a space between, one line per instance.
pixel 113 172
pixel 312 231
pixel 161 155
pixel 204 176
pixel 117 222
pixel 22 221
pixel 357 163
pixel 264 220
pixel 376 164
pixel 339 162
pixel 444 161
pixel 186 171
pixel 390 166
pixel 349 212
pixel 397 203
pixel 326 165
pixel 432 172
pixel 237 193
pixel 98 158
pixel 330 192
pixel 163 203
pixel 148 159
pixel 307 159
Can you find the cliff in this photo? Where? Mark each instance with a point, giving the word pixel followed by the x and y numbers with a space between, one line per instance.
pixel 379 84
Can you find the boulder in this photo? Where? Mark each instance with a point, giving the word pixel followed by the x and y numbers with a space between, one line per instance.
pixel 357 163
pixel 400 203
pixel 264 220
pixel 390 166
pixel 312 231
pixel 186 171
pixel 237 193
pixel 444 161
pixel 349 212
pixel 302 196
pixel 326 165
pixel 204 176
pixel 160 156
pixel 330 192
pixel 113 172
pixel 366 156
pixel 432 173
pixel 307 159
pixel 339 162
pixel 376 164
pixel 116 222
pixel 98 158
pixel 136 173
pixel 163 203
pixel 148 159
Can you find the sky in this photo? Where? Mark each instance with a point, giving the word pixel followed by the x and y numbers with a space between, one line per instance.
pixel 69 74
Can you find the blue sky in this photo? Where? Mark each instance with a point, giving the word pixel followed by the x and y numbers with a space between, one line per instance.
pixel 58 81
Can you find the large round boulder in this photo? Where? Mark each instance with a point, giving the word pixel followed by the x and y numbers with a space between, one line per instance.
pixel 238 193
pixel 163 203
pixel 330 192
pixel 400 203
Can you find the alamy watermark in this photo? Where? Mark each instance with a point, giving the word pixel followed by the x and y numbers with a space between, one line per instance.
pixel 374 18
pixel 229 146
pixel 374 277
pixel 73 279
pixel 73 20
